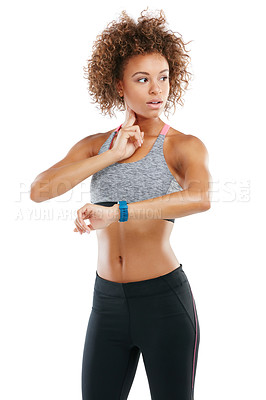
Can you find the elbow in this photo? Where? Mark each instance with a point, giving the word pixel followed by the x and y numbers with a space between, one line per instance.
pixel 35 199
pixel 35 196
pixel 40 190
pixel 200 200
pixel 205 206
pixel 205 201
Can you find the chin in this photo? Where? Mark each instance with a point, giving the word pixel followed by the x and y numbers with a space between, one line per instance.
pixel 148 113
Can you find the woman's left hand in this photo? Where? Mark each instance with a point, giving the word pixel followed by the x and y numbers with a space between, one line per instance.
pixel 100 217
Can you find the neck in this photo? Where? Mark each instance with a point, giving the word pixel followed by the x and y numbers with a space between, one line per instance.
pixel 149 125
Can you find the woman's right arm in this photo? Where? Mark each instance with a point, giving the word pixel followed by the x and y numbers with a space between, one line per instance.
pixel 78 165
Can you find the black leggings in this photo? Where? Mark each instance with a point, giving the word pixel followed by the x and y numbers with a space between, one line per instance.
pixel 156 317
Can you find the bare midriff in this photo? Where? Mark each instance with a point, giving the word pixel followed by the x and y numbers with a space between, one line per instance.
pixel 135 250
pixel 138 249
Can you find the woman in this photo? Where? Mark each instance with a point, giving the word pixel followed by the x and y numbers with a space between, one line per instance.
pixel 142 299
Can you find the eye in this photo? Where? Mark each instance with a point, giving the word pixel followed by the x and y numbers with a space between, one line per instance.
pixel 163 77
pixel 141 79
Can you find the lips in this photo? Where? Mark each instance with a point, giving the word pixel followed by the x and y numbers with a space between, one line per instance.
pixel 154 106
pixel 155 101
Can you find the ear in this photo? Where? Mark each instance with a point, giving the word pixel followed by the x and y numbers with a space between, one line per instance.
pixel 119 88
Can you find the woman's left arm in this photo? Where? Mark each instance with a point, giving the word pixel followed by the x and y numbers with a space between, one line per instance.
pixel 195 197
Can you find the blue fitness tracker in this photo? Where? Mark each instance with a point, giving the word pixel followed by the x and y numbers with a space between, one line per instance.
pixel 123 211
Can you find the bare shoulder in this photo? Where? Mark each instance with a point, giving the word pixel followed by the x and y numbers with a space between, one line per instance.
pixel 185 149
pixel 92 143
pixel 185 142
pixel 83 149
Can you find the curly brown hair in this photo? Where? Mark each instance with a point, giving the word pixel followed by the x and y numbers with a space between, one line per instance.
pixel 124 39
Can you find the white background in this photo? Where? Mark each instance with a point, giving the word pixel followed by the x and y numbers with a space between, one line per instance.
pixel 48 271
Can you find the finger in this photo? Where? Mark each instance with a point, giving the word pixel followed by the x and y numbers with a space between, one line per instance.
pixel 78 228
pixel 136 128
pixel 82 228
pixel 81 231
pixel 130 117
pixel 135 133
pixel 81 213
pixel 78 224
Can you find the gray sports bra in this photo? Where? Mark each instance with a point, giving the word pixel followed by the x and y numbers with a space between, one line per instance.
pixel 134 181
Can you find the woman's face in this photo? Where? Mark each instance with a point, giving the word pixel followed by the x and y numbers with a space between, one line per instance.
pixel 146 79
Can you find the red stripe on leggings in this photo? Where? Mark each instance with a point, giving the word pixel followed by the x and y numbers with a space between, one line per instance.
pixel 195 342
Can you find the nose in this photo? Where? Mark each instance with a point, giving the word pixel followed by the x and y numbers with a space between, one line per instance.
pixel 155 88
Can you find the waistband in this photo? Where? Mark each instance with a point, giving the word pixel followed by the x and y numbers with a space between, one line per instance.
pixel 147 287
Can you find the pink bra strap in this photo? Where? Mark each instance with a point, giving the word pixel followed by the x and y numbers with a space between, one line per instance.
pixel 165 130
pixel 117 129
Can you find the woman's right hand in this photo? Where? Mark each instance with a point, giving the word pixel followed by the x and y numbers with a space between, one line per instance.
pixel 129 137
